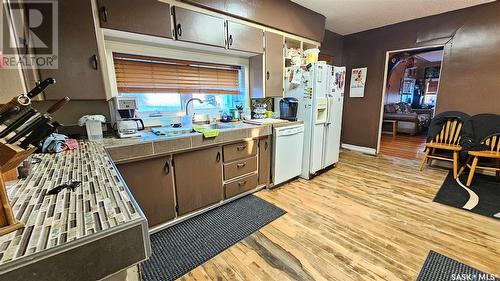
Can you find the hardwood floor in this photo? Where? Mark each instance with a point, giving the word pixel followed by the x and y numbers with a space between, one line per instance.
pixel 371 218
pixel 405 146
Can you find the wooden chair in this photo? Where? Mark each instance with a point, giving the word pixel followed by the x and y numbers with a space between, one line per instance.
pixel 493 154
pixel 448 139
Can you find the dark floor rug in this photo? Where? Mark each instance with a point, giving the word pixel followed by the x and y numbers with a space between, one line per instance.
pixel 442 268
pixel 184 246
pixel 482 198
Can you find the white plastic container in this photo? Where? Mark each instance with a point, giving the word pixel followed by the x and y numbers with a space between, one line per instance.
pixel 94 130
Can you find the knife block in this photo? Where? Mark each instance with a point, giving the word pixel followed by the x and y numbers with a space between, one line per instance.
pixel 11 156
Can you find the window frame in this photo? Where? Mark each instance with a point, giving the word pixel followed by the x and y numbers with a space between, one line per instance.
pixel 171 52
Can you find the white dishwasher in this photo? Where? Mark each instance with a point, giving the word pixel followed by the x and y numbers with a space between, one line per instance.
pixel 288 144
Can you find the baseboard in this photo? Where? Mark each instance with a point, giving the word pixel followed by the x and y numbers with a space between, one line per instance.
pixel 362 149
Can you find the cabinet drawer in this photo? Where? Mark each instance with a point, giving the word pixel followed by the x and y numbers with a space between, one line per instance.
pixel 237 187
pixel 239 150
pixel 240 167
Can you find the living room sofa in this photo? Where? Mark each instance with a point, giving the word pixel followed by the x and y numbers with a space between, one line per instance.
pixel 410 121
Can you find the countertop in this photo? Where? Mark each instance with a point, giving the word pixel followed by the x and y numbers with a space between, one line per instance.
pixel 101 205
pixel 149 144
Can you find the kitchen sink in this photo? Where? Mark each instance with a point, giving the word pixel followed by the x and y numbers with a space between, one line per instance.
pixel 220 126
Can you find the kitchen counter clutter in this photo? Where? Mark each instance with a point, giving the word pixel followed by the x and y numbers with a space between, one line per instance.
pixel 149 144
pixel 100 215
pixel 67 233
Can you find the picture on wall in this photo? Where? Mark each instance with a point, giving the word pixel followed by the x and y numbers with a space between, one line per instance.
pixel 358 81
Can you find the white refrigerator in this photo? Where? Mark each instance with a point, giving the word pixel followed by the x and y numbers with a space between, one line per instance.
pixel 320 107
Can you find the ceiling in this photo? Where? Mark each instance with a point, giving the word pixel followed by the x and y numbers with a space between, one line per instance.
pixel 351 16
pixel 432 56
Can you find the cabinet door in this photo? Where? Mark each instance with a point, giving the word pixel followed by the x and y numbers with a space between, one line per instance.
pixel 198 179
pixel 245 38
pixel 78 75
pixel 152 184
pixel 256 76
pixel 265 161
pixel 150 17
pixel 196 27
pixel 274 65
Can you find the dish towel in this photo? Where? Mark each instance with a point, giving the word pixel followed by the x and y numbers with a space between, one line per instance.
pixel 207 133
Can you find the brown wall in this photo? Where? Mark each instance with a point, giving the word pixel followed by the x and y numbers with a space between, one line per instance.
pixel 70 113
pixel 333 45
pixel 470 71
pixel 284 15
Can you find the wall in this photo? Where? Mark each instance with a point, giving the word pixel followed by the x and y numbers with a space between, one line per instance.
pixel 283 15
pixel 470 71
pixel 333 45
pixel 11 80
pixel 70 113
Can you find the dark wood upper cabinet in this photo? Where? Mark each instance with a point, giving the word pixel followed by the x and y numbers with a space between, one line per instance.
pixel 191 26
pixel 78 74
pixel 198 179
pixel 245 38
pixel 274 65
pixel 150 17
pixel 152 185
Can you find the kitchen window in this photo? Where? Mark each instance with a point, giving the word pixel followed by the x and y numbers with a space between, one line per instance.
pixel 162 86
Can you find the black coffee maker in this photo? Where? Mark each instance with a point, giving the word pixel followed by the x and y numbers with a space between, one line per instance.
pixel 288 108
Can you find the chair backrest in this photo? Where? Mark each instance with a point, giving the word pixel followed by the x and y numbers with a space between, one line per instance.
pixel 493 142
pixel 450 133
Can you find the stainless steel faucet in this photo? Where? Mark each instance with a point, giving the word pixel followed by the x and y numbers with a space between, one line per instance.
pixel 190 100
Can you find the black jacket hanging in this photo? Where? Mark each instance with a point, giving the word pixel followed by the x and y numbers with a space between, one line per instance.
pixel 477 129
pixel 439 120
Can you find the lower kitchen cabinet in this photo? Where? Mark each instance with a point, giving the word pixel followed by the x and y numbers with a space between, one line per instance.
pixel 241 185
pixel 198 179
pixel 265 160
pixel 152 185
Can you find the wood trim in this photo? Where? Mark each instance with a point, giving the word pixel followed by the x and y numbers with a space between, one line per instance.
pixel 362 149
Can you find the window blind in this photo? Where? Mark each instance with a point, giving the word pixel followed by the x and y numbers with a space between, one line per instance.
pixel 142 74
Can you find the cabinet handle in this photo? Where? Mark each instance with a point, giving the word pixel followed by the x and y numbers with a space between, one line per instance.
pixel 241 147
pixel 241 165
pixel 243 182
pixel 268 75
pixel 218 157
pixel 179 30
pixel 104 14
pixel 265 145
pixel 166 168
pixel 230 40
pixel 95 62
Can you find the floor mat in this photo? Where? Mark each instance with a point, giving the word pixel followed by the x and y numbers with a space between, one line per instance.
pixel 442 268
pixel 184 246
pixel 482 197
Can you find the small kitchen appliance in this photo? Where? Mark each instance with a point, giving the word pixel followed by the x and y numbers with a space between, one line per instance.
pixel 288 108
pixel 129 128
pixel 123 112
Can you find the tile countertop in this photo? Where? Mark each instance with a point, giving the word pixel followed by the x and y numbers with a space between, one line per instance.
pixel 150 144
pixel 101 205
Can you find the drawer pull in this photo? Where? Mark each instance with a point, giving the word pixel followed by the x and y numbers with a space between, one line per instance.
pixel 240 183
pixel 241 147
pixel 241 165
